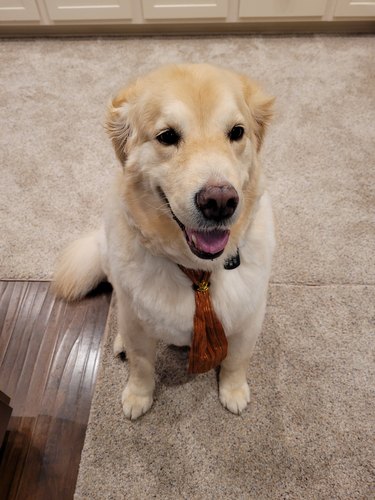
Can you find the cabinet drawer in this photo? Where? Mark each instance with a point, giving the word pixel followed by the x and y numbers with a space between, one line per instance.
pixel 18 10
pixel 89 10
pixel 188 9
pixel 350 8
pixel 282 8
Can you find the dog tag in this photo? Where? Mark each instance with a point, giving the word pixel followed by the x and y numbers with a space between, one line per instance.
pixel 233 262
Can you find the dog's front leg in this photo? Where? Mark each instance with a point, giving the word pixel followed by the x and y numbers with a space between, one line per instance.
pixel 137 396
pixel 234 390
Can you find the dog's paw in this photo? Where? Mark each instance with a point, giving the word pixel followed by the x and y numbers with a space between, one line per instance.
pixel 135 405
pixel 118 346
pixel 235 399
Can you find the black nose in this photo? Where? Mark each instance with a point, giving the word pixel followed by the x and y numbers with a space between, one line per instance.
pixel 217 202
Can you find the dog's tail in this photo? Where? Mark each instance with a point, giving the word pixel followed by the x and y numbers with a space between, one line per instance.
pixel 79 269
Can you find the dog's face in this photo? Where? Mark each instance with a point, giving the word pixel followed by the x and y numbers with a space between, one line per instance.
pixel 188 137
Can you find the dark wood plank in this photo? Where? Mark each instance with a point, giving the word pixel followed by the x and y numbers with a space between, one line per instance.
pixel 49 353
pixel 5 413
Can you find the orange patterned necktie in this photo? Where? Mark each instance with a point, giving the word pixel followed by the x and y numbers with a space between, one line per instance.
pixel 209 345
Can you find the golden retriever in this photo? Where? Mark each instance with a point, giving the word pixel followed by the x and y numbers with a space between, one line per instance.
pixel 191 193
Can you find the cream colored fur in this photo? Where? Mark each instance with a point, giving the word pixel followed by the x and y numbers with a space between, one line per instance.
pixel 142 244
pixel 79 269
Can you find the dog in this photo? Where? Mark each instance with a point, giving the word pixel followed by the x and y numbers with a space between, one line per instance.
pixel 190 195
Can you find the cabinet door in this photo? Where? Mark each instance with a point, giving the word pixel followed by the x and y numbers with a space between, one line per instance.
pixel 282 8
pixel 89 10
pixel 350 8
pixel 184 9
pixel 18 10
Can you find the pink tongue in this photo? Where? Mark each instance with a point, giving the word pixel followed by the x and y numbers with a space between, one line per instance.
pixel 208 241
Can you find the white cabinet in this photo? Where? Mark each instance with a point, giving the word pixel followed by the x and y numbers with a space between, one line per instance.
pixel 18 10
pixel 282 8
pixel 183 16
pixel 352 8
pixel 184 9
pixel 88 10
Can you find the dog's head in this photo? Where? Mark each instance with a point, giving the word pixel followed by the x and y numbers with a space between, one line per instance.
pixel 188 138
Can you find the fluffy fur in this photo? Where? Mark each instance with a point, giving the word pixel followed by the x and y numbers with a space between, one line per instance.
pixel 141 244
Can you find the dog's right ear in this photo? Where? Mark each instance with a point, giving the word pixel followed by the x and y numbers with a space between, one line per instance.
pixel 118 122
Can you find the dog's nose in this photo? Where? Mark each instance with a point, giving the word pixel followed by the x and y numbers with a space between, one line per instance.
pixel 217 202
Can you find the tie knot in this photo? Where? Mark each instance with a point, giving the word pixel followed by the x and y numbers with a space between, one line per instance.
pixel 202 286
pixel 200 279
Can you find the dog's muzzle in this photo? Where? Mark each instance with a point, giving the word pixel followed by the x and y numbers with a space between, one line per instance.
pixel 216 204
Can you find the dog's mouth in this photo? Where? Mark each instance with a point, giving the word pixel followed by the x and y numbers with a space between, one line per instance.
pixel 205 244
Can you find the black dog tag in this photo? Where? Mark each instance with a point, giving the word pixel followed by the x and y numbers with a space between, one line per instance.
pixel 233 261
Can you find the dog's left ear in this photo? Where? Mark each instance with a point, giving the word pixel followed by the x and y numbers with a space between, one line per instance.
pixel 261 108
pixel 118 122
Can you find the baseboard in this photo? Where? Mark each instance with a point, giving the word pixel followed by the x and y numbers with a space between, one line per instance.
pixel 149 29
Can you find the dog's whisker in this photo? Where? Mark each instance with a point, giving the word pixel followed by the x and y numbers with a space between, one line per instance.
pixel 160 207
pixel 163 208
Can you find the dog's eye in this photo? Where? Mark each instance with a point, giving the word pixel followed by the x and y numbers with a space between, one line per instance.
pixel 169 137
pixel 236 133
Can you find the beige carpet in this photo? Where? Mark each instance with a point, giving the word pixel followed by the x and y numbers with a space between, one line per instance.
pixel 55 158
pixel 308 432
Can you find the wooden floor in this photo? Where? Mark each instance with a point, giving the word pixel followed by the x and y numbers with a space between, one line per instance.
pixel 49 353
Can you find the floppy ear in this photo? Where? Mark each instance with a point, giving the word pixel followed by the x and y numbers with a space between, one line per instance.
pixel 261 108
pixel 118 123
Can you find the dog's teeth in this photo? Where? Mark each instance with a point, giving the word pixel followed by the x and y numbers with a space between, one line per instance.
pixel 194 239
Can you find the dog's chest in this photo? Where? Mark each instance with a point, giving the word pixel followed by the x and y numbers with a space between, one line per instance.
pixel 164 300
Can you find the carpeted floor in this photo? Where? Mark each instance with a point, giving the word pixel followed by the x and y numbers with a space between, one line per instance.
pixel 307 435
pixel 309 430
